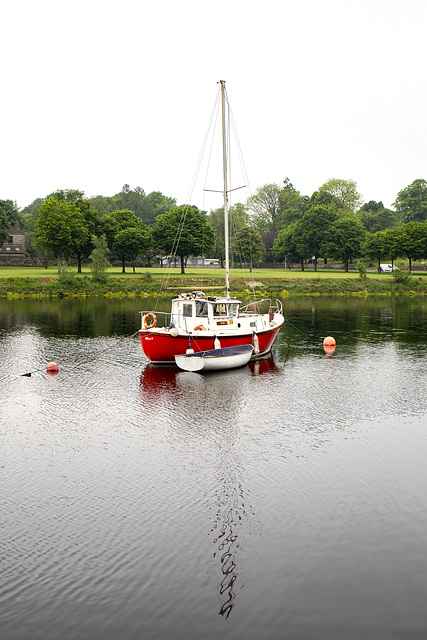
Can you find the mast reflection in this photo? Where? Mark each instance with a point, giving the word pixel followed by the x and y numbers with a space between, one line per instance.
pixel 212 398
pixel 231 515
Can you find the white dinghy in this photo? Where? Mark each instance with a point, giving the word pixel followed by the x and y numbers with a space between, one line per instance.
pixel 216 359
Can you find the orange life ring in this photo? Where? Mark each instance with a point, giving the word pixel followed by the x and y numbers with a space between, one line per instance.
pixel 200 327
pixel 145 323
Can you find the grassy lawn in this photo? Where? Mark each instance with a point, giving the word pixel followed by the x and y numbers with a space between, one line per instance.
pixel 208 274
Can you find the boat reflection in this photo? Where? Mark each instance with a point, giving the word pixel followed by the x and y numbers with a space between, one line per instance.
pixel 158 378
pixel 259 367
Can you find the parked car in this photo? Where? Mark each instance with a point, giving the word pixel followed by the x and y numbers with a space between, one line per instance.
pixel 388 268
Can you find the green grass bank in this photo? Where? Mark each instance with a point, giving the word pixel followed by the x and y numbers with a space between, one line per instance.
pixel 39 282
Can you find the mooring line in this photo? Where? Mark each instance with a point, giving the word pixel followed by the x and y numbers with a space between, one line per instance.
pixel 304 334
pixel 29 374
pixel 104 350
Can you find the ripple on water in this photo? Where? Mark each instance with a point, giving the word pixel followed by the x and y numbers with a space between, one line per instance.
pixel 141 501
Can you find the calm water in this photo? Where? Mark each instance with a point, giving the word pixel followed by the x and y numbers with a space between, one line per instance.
pixel 283 500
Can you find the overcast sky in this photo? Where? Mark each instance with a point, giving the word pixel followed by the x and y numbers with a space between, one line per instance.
pixel 99 94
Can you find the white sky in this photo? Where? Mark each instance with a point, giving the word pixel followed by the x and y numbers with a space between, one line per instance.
pixel 96 94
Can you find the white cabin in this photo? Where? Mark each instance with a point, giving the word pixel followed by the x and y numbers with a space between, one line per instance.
pixel 197 312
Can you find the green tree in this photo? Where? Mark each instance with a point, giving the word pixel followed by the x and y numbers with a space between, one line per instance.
pixel 345 191
pixel 392 243
pixel 145 207
pixel 311 232
pixel 129 199
pixel 117 220
pixel 4 221
pixel 99 259
pixel 153 205
pixel 216 221
pixel 101 204
pixel 114 223
pixel 90 216
pixel 69 195
pixel 375 246
pixel 126 199
pixel 60 228
pixel 183 231
pixel 28 215
pixel 248 245
pixel 9 215
pixel 412 240
pixel 238 218
pixel 375 217
pixel 292 205
pixel 268 238
pixel 284 247
pixel 411 202
pixel 263 206
pixel 345 239
pixel 77 197
pixel 150 252
pixel 131 242
pixel 331 202
pixel 93 226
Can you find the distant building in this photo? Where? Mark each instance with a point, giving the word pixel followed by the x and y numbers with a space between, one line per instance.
pixel 13 250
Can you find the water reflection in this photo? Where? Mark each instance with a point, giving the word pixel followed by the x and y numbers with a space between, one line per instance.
pixel 260 367
pixel 214 400
pixel 154 485
pixel 231 515
pixel 375 319
pixel 157 379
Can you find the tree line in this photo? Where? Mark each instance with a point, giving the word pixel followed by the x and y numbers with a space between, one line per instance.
pixel 277 223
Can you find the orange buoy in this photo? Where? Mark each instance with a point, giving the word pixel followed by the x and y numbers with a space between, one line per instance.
pixel 52 366
pixel 329 345
pixel 329 349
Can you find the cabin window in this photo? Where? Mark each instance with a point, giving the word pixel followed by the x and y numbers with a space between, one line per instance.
pixel 220 309
pixel 202 309
pixel 188 310
pixel 226 310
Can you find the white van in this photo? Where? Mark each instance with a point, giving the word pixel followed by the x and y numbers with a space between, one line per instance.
pixel 387 268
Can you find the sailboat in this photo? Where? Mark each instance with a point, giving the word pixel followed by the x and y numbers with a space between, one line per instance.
pixel 199 322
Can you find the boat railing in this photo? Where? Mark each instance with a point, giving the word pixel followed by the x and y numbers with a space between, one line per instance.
pixel 169 319
pixel 254 307
pixel 162 321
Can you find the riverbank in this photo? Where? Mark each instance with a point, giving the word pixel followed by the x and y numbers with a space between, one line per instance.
pixel 68 285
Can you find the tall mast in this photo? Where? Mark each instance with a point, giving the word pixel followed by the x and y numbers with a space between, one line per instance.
pixel 224 168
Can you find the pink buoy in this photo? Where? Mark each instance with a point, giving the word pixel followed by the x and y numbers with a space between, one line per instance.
pixel 52 366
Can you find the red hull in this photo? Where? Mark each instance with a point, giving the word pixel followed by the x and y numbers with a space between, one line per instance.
pixel 162 347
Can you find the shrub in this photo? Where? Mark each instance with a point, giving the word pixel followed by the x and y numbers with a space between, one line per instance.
pixel 66 277
pixel 362 271
pixel 402 278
